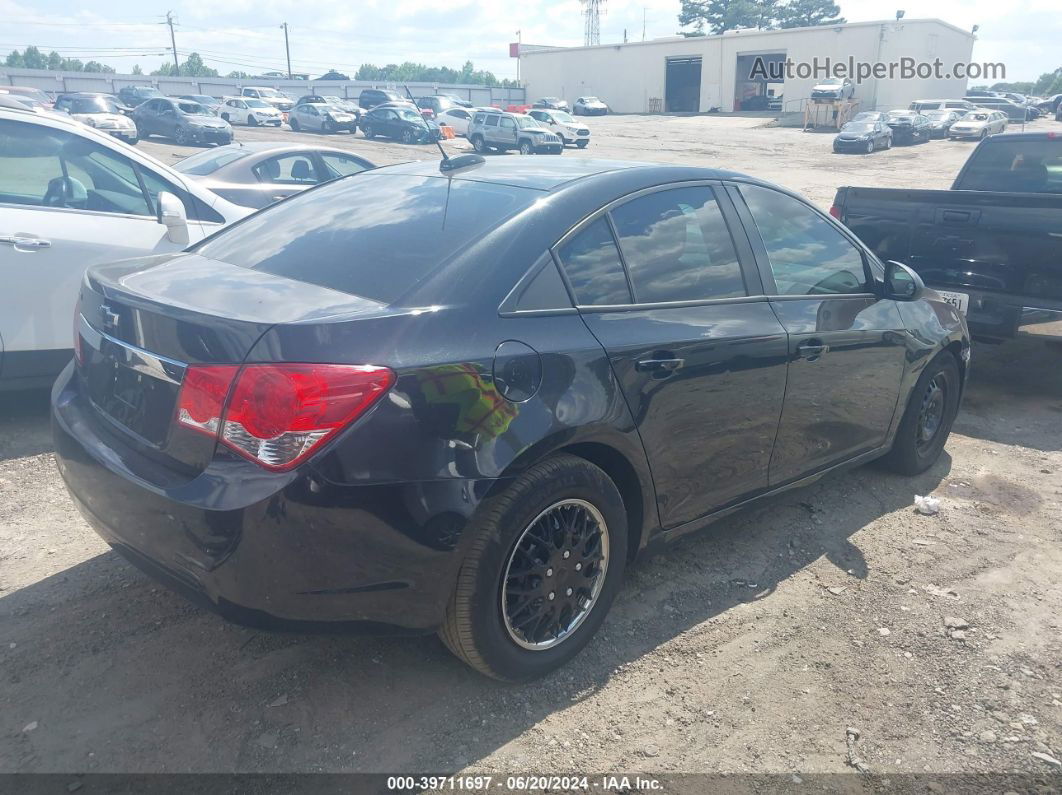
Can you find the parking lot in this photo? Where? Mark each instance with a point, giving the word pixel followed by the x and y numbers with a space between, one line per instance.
pixel 754 646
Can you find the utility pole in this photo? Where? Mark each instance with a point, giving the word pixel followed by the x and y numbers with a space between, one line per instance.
pixel 643 23
pixel 287 49
pixel 173 41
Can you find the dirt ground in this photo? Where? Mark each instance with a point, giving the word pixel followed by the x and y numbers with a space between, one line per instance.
pixel 751 647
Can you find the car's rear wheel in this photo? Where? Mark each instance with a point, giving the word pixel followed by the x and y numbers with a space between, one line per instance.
pixel 479 144
pixel 293 123
pixel 526 148
pixel 927 422
pixel 545 564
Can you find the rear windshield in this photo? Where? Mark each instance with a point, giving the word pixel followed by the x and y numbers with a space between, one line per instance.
pixel 374 236
pixel 1015 166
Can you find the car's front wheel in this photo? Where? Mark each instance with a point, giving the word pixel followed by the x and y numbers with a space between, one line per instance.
pixel 526 148
pixel 870 147
pixel 180 136
pixel 409 137
pixel 293 123
pixel 479 144
pixel 927 422
pixel 545 564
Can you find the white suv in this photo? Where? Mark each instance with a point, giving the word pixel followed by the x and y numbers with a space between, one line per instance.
pixel 281 102
pixel 563 125
pixel 72 197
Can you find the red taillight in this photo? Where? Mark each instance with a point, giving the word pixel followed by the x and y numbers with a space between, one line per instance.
pixel 835 211
pixel 79 357
pixel 278 414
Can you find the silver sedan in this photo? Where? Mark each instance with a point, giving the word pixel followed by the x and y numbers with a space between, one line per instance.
pixel 258 173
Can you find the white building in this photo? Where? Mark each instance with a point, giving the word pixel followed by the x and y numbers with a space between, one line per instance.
pixel 697 74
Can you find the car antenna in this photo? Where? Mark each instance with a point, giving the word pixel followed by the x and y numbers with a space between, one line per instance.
pixel 448 163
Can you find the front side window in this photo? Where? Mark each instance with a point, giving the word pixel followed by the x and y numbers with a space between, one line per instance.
pixel 677 247
pixel 44 167
pixel 507 124
pixel 492 121
pixel 808 256
pixel 592 262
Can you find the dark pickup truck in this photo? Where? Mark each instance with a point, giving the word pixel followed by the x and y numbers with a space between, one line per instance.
pixel 992 245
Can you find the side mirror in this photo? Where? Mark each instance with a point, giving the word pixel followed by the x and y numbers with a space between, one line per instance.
pixel 902 283
pixel 171 214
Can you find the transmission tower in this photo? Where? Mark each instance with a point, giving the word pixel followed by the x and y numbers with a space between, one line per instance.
pixel 592 12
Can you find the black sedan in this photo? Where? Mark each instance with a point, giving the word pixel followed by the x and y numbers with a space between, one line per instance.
pixel 400 122
pixel 863 136
pixel 909 127
pixel 551 103
pixel 258 173
pixel 463 398
pixel 940 121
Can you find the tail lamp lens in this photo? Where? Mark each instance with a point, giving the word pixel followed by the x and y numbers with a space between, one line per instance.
pixel 277 414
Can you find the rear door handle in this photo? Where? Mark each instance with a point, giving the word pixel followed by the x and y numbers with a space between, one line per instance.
pixel 24 243
pixel 660 366
pixel 811 350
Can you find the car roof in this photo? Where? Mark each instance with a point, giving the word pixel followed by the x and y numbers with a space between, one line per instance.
pixel 1045 135
pixel 548 174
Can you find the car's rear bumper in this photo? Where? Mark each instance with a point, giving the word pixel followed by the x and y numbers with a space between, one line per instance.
pixel 999 316
pixel 284 550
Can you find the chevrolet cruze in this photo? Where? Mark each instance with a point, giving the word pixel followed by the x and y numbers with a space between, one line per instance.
pixel 462 399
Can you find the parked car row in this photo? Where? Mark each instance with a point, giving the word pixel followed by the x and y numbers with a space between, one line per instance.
pixel 922 121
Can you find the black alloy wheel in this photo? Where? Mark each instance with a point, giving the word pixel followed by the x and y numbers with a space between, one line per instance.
pixel 555 573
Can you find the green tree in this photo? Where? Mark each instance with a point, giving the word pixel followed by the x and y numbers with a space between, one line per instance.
pixel 137 70
pixel 723 15
pixel 55 61
pixel 807 13
pixel 32 58
pixel 239 75
pixel 96 66
pixel 192 67
pixel 14 60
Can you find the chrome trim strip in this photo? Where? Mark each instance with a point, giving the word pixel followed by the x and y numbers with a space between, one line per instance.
pixel 151 364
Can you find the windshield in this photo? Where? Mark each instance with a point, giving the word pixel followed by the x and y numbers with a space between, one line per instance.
pixel 194 109
pixel 858 126
pixel 408 114
pixel 377 236
pixel 1015 166
pixel 270 92
pixel 562 117
pixel 937 114
pixel 209 161
pixel 257 103
pixel 203 98
pixel 92 105
pixel 33 93
pixel 147 93
pixel 833 81
pixel 588 100
pixel 901 114
pixel 976 117
pixel 526 122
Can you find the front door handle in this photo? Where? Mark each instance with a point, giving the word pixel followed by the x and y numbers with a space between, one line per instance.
pixel 660 367
pixel 24 243
pixel 812 350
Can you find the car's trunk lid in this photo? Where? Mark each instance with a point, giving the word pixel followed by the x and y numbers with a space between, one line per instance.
pixel 144 322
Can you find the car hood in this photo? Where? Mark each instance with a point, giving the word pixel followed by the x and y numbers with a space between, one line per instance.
pixel 597 104
pixel 853 136
pixel 208 121
pixel 825 87
pixel 97 118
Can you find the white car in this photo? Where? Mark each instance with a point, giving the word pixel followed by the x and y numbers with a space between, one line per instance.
pixel 99 111
pixel 71 197
pixel 281 102
pixel 589 106
pixel 252 112
pixel 561 123
pixel 458 118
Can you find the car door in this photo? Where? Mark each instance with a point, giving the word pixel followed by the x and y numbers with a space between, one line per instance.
pixel 66 203
pixel 286 174
pixel 333 165
pixel 847 346
pixel 665 279
pixel 506 132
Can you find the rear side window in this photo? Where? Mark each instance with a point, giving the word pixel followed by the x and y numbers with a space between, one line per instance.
pixel 593 265
pixel 1015 166
pixel 376 236
pixel 677 247
pixel 808 256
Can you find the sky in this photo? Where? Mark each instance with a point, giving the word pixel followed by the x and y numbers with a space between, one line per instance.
pixel 245 35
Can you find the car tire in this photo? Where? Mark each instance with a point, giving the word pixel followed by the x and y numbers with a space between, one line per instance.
pixel 479 144
pixel 479 628
pixel 984 134
pixel 408 137
pixel 368 131
pixel 926 423
pixel 141 133
pixel 888 142
pixel 581 144
pixel 526 148
pixel 251 121
pixel 225 116
pixel 870 147
pixel 180 136
pixel 293 123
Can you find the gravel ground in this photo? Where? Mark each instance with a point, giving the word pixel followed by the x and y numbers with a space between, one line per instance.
pixel 752 647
